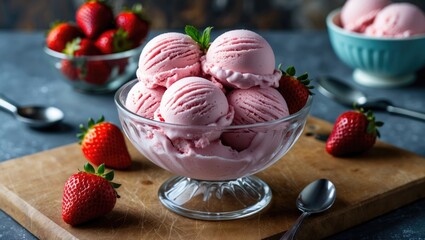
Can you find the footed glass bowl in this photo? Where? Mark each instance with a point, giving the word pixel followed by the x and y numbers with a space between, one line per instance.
pixel 214 181
pixel 95 74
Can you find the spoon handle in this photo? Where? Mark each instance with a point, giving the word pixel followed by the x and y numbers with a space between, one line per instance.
pixel 406 112
pixel 7 104
pixel 290 234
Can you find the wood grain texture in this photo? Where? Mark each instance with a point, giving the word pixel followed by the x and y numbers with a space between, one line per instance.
pixel 367 186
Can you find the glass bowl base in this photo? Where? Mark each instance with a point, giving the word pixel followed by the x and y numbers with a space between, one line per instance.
pixel 371 80
pixel 215 200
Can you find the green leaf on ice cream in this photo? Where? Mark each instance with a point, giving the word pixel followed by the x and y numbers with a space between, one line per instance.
pixel 202 39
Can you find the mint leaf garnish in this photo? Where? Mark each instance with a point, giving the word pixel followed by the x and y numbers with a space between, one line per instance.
pixel 202 39
pixel 192 32
pixel 205 38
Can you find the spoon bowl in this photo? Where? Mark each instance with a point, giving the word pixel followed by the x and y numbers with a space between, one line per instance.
pixel 347 95
pixel 39 116
pixel 33 116
pixel 340 91
pixel 316 197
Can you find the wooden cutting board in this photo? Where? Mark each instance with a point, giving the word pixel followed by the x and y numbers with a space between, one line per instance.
pixel 367 186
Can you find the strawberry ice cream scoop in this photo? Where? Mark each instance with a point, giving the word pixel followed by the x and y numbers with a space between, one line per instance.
pixel 167 58
pixel 357 15
pixel 398 20
pixel 253 105
pixel 144 101
pixel 194 101
pixel 241 59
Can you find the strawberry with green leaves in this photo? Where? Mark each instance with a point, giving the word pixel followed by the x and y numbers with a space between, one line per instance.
pixel 295 90
pixel 88 195
pixel 94 17
pixel 81 47
pixel 113 41
pixel 77 47
pixel 103 143
pixel 90 71
pixel 134 22
pixel 354 132
pixel 60 34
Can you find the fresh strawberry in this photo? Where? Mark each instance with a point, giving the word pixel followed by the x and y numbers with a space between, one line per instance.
pixel 134 22
pixel 81 47
pixel 354 132
pixel 94 17
pixel 93 71
pixel 295 90
pixel 69 69
pixel 88 195
pixel 103 142
pixel 113 41
pixel 60 33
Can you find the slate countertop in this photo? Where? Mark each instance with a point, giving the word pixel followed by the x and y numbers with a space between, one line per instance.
pixel 27 78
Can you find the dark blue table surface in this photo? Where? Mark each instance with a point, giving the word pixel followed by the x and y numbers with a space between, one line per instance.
pixel 27 78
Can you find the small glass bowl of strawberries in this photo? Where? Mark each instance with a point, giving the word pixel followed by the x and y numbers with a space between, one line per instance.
pixel 100 51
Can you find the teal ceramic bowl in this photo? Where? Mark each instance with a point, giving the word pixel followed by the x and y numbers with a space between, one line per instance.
pixel 377 62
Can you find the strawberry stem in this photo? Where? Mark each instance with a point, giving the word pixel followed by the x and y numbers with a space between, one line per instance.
pixel 89 168
pixel 90 124
pixel 72 46
pixel 138 10
pixel 291 71
pixel 303 78
pixel 373 125
pixel 120 41
pixel 101 169
pixel 109 176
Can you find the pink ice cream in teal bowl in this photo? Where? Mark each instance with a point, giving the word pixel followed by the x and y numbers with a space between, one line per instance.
pixel 212 125
pixel 382 41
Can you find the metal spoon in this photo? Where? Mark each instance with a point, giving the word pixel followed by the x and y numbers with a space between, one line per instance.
pixel 316 197
pixel 33 116
pixel 347 95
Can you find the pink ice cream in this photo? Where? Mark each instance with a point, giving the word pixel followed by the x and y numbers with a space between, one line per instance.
pixel 241 59
pixel 199 132
pixel 398 20
pixel 194 101
pixel 215 161
pixel 144 101
pixel 357 15
pixel 167 58
pixel 253 105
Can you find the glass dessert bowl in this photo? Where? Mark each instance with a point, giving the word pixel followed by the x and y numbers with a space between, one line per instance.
pixel 214 181
pixel 95 74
